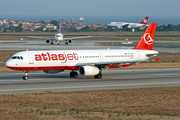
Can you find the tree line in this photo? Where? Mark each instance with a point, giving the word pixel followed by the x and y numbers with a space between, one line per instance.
pixel 168 27
pixel 14 29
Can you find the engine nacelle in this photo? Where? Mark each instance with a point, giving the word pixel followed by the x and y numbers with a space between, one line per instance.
pixel 88 70
pixel 47 41
pixel 53 71
pixel 129 27
pixel 70 41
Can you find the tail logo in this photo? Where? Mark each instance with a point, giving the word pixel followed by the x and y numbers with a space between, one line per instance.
pixel 145 21
pixel 148 39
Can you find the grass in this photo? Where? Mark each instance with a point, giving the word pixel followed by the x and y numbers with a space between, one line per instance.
pixel 145 103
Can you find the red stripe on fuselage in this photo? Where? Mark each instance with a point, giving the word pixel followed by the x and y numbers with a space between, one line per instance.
pixel 45 68
pixel 58 67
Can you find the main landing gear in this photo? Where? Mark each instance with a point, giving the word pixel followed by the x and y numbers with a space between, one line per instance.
pixel 73 74
pixel 99 76
pixel 25 75
pixel 66 43
pixel 51 42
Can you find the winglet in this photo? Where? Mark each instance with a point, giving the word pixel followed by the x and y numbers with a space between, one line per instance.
pixel 144 21
pixel 147 40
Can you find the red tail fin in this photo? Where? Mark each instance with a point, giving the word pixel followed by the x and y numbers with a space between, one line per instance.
pixel 147 40
pixel 144 21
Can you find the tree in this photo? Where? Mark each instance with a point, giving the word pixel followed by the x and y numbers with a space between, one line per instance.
pixel 5 29
pixel 12 29
pixel 19 28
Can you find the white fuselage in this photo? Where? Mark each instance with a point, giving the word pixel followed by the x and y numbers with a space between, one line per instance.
pixel 68 59
pixel 129 25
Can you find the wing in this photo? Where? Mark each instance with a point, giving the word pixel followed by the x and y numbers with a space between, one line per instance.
pixel 76 37
pixel 125 25
pixel 41 37
pixel 105 64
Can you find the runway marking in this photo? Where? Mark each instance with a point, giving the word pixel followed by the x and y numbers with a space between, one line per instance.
pixel 165 74
pixel 116 85
pixel 9 80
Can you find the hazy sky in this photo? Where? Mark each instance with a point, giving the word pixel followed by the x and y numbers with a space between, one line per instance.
pixel 91 7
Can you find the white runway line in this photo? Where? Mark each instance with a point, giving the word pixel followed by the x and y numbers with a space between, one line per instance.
pixel 117 85
pixel 165 74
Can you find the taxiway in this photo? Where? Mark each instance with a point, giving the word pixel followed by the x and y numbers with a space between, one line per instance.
pixel 77 45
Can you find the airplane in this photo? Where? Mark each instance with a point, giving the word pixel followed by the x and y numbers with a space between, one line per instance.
pixel 59 37
pixel 87 62
pixel 122 25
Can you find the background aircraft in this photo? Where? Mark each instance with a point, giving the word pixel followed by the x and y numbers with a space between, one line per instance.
pixel 59 37
pixel 122 25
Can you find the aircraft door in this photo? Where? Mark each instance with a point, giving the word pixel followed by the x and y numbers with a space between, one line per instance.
pixel 138 55
pixel 101 57
pixel 31 60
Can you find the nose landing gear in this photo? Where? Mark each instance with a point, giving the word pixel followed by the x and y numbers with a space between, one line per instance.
pixel 25 75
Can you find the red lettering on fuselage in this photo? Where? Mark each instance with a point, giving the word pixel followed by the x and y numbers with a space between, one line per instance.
pixel 55 57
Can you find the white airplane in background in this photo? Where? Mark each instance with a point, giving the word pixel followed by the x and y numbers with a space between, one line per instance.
pixel 59 38
pixel 87 62
pixel 122 25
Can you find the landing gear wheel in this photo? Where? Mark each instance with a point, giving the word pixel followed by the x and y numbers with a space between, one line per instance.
pixel 98 76
pixel 73 74
pixel 66 43
pixel 25 77
pixel 51 42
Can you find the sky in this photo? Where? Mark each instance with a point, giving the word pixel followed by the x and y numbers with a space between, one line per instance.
pixel 90 7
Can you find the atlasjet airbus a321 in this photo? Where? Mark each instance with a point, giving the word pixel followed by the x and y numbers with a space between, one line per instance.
pixel 87 62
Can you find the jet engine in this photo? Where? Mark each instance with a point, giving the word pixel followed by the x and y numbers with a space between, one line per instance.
pixel 88 70
pixel 47 41
pixel 53 71
pixel 120 27
pixel 70 41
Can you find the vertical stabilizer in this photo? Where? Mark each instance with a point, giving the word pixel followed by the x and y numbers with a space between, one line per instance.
pixel 147 40
pixel 144 21
pixel 60 27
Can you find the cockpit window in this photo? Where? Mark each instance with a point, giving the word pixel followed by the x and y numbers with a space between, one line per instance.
pixel 58 35
pixel 14 57
pixel 17 57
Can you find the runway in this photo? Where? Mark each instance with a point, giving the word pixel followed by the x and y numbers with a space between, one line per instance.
pixel 112 79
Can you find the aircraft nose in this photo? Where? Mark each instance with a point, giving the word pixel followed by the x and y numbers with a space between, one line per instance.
pixel 9 63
